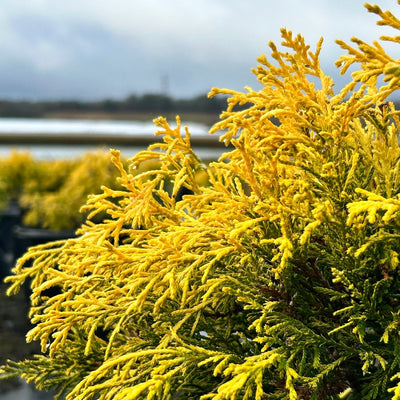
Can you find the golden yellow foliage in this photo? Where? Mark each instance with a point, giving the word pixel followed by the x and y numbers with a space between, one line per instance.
pixel 15 170
pixel 53 198
pixel 276 280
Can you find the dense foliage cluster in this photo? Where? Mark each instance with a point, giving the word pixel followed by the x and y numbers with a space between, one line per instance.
pixel 50 193
pixel 278 279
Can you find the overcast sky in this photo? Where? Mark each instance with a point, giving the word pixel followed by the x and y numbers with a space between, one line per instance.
pixel 97 49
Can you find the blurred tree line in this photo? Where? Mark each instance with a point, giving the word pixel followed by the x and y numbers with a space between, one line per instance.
pixel 133 103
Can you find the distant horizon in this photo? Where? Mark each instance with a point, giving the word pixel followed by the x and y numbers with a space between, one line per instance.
pixel 100 99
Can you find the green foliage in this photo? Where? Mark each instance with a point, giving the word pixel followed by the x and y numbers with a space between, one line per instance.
pixel 278 279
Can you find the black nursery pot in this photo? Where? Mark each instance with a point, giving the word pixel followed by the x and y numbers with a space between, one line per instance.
pixel 9 218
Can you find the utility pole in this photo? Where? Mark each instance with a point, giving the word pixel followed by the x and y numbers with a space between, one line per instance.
pixel 165 85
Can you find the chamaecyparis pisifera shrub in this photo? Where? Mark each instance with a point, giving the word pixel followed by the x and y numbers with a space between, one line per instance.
pixel 47 178
pixel 57 206
pixel 277 280
pixel 15 169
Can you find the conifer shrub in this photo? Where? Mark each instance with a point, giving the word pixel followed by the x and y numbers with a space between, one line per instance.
pixel 278 279
pixel 50 193
pixel 46 181
pixel 61 187
pixel 15 170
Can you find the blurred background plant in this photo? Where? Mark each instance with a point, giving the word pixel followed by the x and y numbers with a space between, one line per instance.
pixel 50 193
pixel 53 197
pixel 16 171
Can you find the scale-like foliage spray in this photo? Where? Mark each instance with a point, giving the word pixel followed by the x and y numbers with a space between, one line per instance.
pixel 278 279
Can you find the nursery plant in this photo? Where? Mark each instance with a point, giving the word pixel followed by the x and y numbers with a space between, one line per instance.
pixel 278 279
pixel 59 188
pixel 15 170
pixel 51 192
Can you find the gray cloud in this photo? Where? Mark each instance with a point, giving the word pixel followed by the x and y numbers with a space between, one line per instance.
pixel 96 48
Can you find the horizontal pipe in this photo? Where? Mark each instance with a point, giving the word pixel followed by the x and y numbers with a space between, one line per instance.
pixel 84 138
